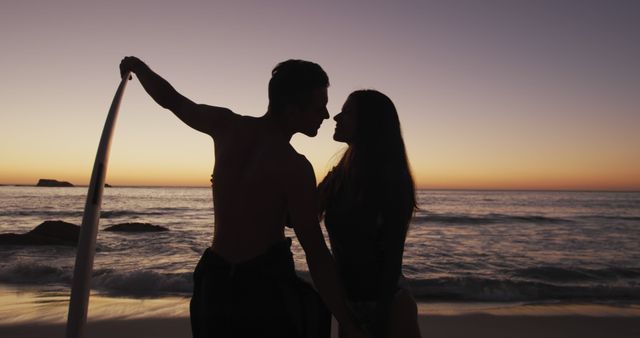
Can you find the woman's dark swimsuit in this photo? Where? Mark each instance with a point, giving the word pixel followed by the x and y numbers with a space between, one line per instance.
pixel 371 276
pixel 261 297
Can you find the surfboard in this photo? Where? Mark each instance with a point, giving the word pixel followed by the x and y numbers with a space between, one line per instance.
pixel 81 285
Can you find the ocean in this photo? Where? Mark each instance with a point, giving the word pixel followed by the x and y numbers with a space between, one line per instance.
pixel 480 246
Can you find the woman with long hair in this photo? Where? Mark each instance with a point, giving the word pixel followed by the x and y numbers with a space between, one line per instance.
pixel 367 201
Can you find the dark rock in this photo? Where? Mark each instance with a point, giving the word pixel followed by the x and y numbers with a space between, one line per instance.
pixel 43 182
pixel 47 233
pixel 107 185
pixel 136 227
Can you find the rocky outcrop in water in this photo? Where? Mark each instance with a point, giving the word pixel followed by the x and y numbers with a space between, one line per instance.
pixel 45 182
pixel 135 227
pixel 47 233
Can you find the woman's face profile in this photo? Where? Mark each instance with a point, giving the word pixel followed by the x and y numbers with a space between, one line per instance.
pixel 346 123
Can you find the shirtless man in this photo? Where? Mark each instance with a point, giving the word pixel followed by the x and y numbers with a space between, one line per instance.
pixel 260 183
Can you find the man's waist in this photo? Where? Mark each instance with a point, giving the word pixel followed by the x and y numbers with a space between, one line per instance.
pixel 277 255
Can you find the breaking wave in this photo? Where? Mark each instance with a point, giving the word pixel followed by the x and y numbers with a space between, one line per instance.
pixel 531 284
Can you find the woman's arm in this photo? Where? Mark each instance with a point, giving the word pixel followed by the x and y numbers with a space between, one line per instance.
pixel 302 202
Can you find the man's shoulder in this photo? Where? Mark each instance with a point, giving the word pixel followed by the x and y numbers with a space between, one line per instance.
pixel 300 161
pixel 291 156
pixel 298 166
pixel 242 120
pixel 240 127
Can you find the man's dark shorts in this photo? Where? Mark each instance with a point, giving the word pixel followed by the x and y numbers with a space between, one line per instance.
pixel 262 297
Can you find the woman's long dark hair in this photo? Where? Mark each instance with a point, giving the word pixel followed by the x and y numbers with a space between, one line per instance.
pixel 374 170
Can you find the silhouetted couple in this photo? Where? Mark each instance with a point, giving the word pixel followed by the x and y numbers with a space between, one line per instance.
pixel 245 284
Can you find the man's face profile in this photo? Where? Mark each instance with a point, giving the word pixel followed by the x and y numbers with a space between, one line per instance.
pixel 311 115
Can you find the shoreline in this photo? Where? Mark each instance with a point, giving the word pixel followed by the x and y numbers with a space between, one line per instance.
pixel 24 304
pixel 27 313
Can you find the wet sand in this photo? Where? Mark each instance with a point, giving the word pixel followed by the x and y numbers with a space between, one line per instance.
pixel 478 325
pixel 26 314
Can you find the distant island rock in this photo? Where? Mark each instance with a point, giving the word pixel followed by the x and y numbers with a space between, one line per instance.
pixel 45 182
pixel 106 185
pixel 136 227
pixel 47 233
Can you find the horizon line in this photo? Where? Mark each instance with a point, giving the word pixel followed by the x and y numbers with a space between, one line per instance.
pixel 631 190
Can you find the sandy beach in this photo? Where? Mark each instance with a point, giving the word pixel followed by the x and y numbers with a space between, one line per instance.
pixel 477 325
pixel 26 314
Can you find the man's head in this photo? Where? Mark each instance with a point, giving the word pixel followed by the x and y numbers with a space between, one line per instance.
pixel 298 93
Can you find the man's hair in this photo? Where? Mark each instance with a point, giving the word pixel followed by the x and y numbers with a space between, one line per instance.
pixel 292 82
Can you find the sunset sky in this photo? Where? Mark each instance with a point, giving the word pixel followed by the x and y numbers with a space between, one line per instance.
pixel 491 94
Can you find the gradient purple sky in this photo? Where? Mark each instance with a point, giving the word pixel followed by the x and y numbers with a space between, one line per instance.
pixel 491 94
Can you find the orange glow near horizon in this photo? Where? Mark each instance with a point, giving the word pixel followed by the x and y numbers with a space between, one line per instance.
pixel 479 180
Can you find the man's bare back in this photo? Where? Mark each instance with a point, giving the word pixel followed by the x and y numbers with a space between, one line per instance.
pixel 259 181
pixel 253 162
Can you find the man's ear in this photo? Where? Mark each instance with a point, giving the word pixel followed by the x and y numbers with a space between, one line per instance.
pixel 291 110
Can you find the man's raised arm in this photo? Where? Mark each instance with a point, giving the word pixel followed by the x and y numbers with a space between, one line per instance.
pixel 204 118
